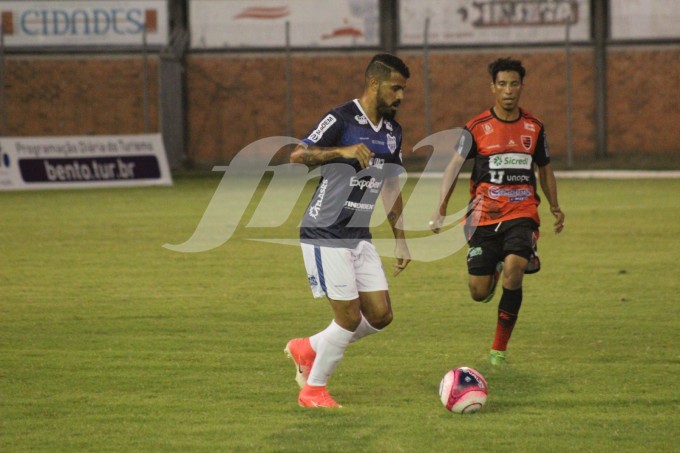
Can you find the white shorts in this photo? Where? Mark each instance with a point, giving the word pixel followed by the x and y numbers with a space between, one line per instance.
pixel 341 273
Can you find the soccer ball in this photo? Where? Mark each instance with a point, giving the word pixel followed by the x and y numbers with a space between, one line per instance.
pixel 463 390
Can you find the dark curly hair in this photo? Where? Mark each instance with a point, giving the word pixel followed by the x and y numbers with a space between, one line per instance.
pixel 506 64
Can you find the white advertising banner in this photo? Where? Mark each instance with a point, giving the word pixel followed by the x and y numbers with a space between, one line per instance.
pixel 83 162
pixel 84 23
pixel 471 22
pixel 217 24
pixel 645 19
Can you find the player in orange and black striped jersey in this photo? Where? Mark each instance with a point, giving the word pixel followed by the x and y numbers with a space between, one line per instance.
pixel 507 144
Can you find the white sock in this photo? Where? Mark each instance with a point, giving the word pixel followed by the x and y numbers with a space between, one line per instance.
pixel 364 330
pixel 329 345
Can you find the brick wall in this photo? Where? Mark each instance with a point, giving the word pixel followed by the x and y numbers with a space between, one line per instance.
pixel 234 100
pixel 79 95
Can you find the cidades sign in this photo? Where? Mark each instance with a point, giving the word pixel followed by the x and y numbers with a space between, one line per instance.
pixel 84 23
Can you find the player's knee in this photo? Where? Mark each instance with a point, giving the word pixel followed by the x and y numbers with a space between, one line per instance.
pixel 478 296
pixel 380 320
pixel 347 315
pixel 512 279
pixel 385 321
pixel 348 322
pixel 479 292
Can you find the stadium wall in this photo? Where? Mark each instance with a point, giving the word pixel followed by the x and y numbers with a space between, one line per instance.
pixel 79 94
pixel 236 98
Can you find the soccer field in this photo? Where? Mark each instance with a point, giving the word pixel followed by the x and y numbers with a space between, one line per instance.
pixel 110 342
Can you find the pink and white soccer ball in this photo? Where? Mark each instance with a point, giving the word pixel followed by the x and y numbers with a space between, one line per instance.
pixel 463 390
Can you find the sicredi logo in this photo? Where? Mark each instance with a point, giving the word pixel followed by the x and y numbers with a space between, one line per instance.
pixel 517 161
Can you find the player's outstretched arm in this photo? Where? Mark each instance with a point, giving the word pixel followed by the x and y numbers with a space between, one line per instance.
pixel 394 206
pixel 546 176
pixel 313 156
pixel 445 190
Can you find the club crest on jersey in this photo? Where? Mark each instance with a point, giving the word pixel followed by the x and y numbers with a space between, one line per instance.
pixel 392 142
pixel 527 141
pixel 361 119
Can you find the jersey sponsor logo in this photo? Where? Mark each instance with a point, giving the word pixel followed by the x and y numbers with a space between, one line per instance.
pixel 316 207
pixel 488 128
pixel 527 141
pixel 392 143
pixel 518 178
pixel 510 161
pixel 496 192
pixel 388 126
pixel 498 177
pixel 359 206
pixel 371 184
pixel 511 142
pixel 529 126
pixel 361 119
pixel 322 127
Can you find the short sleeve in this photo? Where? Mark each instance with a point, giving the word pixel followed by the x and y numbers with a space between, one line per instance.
pixel 542 155
pixel 327 133
pixel 466 146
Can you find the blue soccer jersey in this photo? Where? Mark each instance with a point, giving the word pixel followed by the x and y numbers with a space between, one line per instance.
pixel 340 210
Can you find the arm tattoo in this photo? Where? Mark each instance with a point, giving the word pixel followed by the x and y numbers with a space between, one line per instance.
pixel 311 159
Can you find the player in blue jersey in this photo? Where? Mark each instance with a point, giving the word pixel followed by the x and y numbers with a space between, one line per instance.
pixel 357 146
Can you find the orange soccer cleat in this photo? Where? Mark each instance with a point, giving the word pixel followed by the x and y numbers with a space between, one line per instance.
pixel 316 397
pixel 300 350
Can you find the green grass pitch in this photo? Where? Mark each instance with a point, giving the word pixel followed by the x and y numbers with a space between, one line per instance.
pixel 109 342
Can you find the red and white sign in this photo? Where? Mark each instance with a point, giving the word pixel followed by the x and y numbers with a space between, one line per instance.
pixel 469 22
pixel 217 24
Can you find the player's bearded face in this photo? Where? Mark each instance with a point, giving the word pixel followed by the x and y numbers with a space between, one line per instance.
pixel 387 107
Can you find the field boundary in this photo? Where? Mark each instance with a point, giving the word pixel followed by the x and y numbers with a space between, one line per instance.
pixel 587 174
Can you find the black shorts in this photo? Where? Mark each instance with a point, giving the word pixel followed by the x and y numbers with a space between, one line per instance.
pixel 490 244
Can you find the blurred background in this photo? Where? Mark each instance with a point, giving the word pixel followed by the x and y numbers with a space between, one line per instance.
pixel 213 76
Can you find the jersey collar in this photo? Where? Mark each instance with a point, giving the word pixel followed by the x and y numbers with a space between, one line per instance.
pixel 375 127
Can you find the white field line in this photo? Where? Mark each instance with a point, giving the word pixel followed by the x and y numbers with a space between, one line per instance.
pixel 586 174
